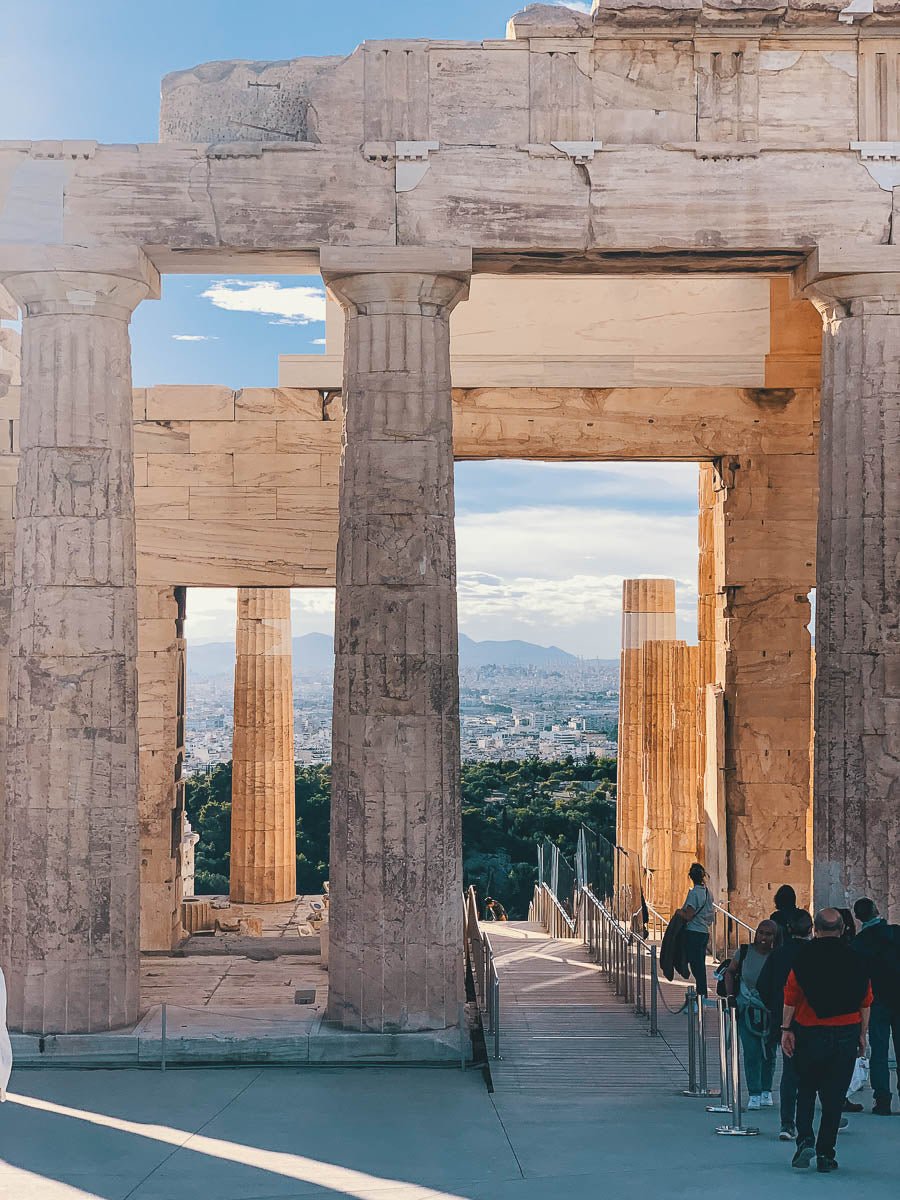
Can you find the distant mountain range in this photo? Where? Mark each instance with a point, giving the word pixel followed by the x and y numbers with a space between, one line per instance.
pixel 313 653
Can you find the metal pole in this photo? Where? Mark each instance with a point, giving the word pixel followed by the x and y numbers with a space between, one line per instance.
pixel 691 1089
pixel 462 1037
pixel 697 1039
pixel 725 1103
pixel 654 988
pixel 702 1071
pixel 735 1129
pixel 496 993
pixel 162 1046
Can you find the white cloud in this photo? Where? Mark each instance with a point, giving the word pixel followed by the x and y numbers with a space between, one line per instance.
pixel 554 575
pixel 578 5
pixel 211 613
pixel 318 341
pixel 294 305
pixel 193 337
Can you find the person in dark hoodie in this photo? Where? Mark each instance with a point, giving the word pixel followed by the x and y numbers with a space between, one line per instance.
pixel 827 999
pixel 785 907
pixel 770 986
pixel 879 944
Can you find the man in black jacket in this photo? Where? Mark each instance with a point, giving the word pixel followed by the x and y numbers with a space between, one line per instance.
pixel 879 943
pixel 770 986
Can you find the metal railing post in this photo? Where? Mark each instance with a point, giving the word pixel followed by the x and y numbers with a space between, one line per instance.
pixel 691 1089
pixel 654 988
pixel 735 1128
pixel 462 1037
pixel 495 988
pixel 163 1023
pixel 698 1072
pixel 725 1101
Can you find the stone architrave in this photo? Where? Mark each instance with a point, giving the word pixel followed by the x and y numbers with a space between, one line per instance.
pixel 648 613
pixel 857 688
pixel 263 824
pixel 396 931
pixel 69 914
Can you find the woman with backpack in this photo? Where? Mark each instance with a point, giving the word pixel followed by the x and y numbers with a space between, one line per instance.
pixel 741 980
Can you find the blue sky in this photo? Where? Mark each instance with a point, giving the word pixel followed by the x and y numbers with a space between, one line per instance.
pixel 542 548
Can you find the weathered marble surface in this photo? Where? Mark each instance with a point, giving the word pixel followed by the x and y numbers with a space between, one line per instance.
pixel 396 857
pixel 70 876
pixel 161 710
pixel 857 755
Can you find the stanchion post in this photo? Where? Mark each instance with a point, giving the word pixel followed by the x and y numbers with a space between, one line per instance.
pixel 163 1022
pixel 462 1037
pixel 702 1071
pixel 691 1089
pixel 654 989
pixel 735 1128
pixel 725 1103
pixel 495 991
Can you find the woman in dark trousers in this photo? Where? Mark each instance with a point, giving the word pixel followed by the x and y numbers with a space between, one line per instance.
pixel 698 913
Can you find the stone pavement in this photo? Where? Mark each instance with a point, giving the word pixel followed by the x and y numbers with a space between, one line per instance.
pixel 389 1134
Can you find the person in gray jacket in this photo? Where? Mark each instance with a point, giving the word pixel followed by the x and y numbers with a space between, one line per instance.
pixel 698 912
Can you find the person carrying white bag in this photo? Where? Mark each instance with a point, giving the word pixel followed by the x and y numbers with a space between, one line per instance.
pixel 6 1060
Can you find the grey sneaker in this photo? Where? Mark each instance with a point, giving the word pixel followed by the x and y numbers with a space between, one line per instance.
pixel 804 1154
pixel 788 1133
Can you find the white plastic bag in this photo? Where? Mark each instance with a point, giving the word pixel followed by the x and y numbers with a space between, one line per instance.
pixel 6 1060
pixel 860 1076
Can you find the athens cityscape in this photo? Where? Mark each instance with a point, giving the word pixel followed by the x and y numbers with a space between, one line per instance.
pixel 449 599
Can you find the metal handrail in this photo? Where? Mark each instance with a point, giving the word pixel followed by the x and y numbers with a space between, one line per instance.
pixel 484 968
pixel 727 932
pixel 630 961
pixel 545 910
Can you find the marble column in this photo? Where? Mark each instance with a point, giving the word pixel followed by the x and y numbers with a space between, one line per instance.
pixel 69 910
pixel 857 689
pixel 263 823
pixel 687 800
pixel 648 613
pixel 396 932
pixel 658 727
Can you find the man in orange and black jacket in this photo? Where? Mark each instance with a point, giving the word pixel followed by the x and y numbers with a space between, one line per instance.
pixel 827 999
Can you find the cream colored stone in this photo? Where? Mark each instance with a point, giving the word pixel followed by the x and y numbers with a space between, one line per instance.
pixel 175 403
pixel 263 834
pixel 187 470
pixel 69 917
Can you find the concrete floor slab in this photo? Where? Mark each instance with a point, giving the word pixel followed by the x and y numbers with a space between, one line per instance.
pixel 389 1134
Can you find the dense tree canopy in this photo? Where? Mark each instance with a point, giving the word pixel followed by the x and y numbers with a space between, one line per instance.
pixel 507 809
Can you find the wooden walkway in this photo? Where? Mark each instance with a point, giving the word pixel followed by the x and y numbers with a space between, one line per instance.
pixel 564 1030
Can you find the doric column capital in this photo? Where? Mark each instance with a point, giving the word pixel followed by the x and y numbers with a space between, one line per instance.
pixel 413 280
pixel 863 295
pixel 67 281
pixel 851 279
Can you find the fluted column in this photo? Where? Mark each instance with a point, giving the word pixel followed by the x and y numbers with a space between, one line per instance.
pixel 648 613
pixel 658 683
pixel 857 689
pixel 396 935
pixel 687 808
pixel 263 825
pixel 69 910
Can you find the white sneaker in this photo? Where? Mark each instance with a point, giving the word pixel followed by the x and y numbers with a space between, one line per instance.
pixel 754 1103
pixel 766 1100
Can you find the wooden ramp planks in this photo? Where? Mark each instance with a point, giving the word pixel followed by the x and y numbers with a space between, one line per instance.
pixel 562 1027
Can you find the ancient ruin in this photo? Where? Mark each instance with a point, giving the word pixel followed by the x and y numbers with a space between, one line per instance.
pixel 654 211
